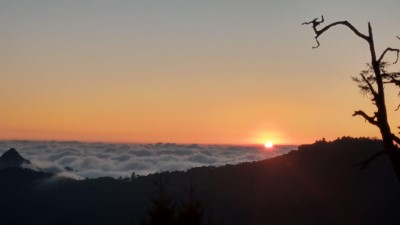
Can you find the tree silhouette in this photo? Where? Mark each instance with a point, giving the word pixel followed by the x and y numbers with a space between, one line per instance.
pixel 162 211
pixel 191 211
pixel 372 81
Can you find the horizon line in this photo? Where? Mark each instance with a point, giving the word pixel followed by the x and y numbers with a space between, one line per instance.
pixel 138 142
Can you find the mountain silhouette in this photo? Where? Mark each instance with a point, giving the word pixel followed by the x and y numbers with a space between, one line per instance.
pixel 317 184
pixel 12 158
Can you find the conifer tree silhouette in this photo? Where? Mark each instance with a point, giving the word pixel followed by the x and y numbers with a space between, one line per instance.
pixel 191 211
pixel 162 211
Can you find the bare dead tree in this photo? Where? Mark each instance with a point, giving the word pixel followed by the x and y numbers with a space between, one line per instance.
pixel 371 82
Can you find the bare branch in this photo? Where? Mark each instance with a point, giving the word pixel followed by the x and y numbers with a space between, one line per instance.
pixel 316 23
pixel 316 39
pixel 345 23
pixel 396 139
pixel 370 119
pixel 392 50
pixel 393 81
pixel 372 90
pixel 398 37
pixel 398 107
pixel 366 162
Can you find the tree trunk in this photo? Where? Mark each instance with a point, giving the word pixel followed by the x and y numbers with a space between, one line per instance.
pixel 379 118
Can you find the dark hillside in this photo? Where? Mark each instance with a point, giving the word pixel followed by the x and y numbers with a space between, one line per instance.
pixel 315 185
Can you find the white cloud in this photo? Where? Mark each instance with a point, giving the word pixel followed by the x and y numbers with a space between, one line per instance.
pixel 115 160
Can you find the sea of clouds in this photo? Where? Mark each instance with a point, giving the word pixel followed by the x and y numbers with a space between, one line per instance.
pixel 90 160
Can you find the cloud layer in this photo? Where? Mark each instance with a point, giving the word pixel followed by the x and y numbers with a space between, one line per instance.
pixel 120 160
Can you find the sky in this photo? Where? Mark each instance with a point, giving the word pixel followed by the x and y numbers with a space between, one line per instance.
pixel 208 72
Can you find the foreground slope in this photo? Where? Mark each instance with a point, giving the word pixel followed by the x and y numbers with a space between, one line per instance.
pixel 315 185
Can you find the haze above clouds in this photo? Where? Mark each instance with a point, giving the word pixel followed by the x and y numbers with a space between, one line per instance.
pixel 90 160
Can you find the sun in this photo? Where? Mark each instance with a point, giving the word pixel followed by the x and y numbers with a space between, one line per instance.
pixel 268 144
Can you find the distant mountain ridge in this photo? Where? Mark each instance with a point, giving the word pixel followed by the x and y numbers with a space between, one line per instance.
pixel 12 158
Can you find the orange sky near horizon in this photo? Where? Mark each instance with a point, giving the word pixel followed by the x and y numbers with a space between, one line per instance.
pixel 204 72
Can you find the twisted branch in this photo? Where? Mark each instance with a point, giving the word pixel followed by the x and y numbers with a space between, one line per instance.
pixel 392 50
pixel 370 119
pixel 316 23
pixel 366 162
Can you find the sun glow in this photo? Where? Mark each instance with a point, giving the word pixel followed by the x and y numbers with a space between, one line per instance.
pixel 268 144
pixel 268 139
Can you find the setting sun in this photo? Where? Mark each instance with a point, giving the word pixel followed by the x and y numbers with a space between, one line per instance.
pixel 269 144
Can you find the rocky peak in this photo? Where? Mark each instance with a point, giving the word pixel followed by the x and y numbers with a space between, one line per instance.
pixel 12 158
